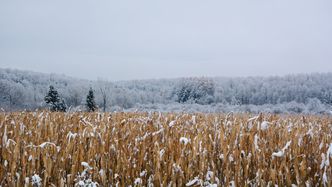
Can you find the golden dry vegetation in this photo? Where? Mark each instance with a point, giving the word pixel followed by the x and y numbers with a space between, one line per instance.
pixel 153 149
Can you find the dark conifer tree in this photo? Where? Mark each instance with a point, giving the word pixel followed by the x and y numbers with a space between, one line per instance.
pixel 54 101
pixel 90 101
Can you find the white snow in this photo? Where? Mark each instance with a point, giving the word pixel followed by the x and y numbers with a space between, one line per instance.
pixel 184 140
pixel 81 183
pixel 177 168
pixel 71 135
pixel 209 175
pixel 256 142
pixel 193 119
pixel 252 119
pixel 161 153
pixel 158 132
pixel 193 182
pixel 286 146
pixel 86 165
pixel 143 173
pixel 27 180
pixel 36 180
pixel 230 158
pixel 278 154
pixel 282 152
pixel 46 143
pixel 138 181
pixel 265 125
pixel 4 137
pixel 329 151
pixel 171 124
pixel 323 161
pixel 101 172
pixel 321 145
pixel 325 179
pixel 232 184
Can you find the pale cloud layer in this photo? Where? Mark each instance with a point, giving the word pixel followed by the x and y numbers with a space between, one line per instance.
pixel 119 40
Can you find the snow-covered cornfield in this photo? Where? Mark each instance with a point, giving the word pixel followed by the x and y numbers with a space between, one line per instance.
pixel 142 149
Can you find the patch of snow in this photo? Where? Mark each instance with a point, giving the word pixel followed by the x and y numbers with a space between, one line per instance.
pixel 27 181
pixel 286 146
pixel 45 144
pixel 161 153
pixel 193 119
pixel 321 145
pixel 138 181
pixel 101 172
pixel 36 180
pixel 150 181
pixel 325 179
pixel 265 125
pixel 256 138
pixel 71 135
pixel 278 154
pixel 323 161
pixel 193 182
pixel 81 183
pixel 177 168
pixel 158 132
pixel 209 175
pixel 10 141
pixel 143 173
pixel 184 140
pixel 232 184
pixel 86 165
pixel 329 151
pixel 171 124
pixel 310 132
pixel 230 158
pixel 282 152
pixel 4 137
pixel 252 119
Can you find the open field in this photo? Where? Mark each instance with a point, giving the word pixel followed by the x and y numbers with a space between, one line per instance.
pixel 142 149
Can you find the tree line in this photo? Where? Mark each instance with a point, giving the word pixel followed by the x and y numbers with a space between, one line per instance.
pixel 21 90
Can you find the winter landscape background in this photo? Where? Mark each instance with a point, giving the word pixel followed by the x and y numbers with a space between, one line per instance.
pixel 188 93
pixel 302 93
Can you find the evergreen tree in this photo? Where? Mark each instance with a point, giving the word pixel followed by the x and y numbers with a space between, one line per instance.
pixel 54 101
pixel 90 101
pixel 62 106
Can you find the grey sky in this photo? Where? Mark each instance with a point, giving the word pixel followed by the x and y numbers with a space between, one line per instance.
pixel 119 40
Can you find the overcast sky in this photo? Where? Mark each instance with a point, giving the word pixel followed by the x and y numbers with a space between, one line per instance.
pixel 141 39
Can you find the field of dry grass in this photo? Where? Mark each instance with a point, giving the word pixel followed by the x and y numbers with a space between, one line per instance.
pixel 141 149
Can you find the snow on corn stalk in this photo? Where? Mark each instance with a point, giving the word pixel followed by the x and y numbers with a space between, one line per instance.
pixel 160 149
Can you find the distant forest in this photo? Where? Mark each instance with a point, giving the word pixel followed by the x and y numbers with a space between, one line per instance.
pixel 303 93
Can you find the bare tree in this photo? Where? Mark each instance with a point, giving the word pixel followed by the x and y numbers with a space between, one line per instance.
pixel 105 89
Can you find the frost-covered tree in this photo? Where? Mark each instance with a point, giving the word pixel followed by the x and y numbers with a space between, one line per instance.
pixel 54 101
pixel 90 101
pixel 198 90
pixel 105 89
